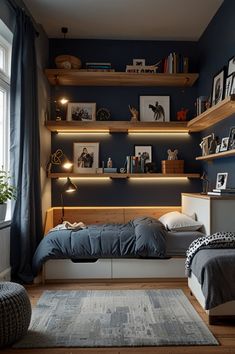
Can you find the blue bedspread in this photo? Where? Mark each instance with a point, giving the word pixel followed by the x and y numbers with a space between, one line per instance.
pixel 142 237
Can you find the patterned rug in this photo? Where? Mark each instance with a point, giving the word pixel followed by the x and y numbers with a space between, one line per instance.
pixel 115 319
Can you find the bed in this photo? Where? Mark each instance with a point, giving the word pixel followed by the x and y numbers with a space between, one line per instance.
pixel 211 272
pixel 169 264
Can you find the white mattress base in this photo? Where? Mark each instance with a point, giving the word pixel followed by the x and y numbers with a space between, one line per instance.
pixel 115 268
pixel 226 309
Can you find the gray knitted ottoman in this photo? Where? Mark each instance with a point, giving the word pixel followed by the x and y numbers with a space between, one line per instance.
pixel 15 312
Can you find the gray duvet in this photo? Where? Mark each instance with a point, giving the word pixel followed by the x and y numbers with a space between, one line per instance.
pixel 215 271
pixel 142 237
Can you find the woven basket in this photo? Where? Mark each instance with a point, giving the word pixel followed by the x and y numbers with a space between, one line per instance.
pixel 68 62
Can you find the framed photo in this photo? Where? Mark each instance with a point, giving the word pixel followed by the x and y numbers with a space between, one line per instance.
pixel 155 108
pixel 224 144
pixel 217 149
pixel 228 85
pixel 221 180
pixel 232 90
pixel 231 66
pixel 139 62
pixel 231 143
pixel 218 88
pixel 144 151
pixel 85 157
pixel 79 111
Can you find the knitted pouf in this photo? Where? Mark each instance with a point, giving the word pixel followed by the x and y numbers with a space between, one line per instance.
pixel 15 312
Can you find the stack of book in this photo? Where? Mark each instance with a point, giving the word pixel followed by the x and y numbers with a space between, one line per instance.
pixel 175 63
pixel 134 165
pixel 223 192
pixel 99 67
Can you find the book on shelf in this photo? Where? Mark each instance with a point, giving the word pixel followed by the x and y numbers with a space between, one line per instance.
pixel 222 193
pixel 110 170
pixel 97 70
pixel 201 104
pixel 175 63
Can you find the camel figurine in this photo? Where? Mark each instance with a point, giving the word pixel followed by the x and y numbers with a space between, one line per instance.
pixel 182 114
pixel 134 114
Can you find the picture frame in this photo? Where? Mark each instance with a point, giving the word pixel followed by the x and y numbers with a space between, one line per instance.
pixel 221 180
pixel 139 62
pixel 224 144
pixel 85 157
pixel 231 143
pixel 228 86
pixel 217 88
pixel 231 66
pixel 154 108
pixel 144 151
pixel 232 89
pixel 81 111
pixel 217 150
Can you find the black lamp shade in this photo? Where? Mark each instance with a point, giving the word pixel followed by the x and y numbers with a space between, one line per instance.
pixel 69 186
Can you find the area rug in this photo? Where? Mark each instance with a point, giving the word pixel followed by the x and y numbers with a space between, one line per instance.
pixel 113 318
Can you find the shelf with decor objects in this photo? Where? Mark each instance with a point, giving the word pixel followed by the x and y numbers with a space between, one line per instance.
pixel 213 115
pixel 72 77
pixel 218 155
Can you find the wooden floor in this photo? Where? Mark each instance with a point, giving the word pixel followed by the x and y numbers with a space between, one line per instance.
pixel 224 332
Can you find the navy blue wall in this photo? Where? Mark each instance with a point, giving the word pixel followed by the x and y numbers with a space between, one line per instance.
pixel 118 146
pixel 216 47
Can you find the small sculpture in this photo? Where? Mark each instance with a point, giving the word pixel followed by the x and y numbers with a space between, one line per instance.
pixel 172 155
pixel 205 144
pixel 205 183
pixel 182 114
pixel 134 114
pixel 103 114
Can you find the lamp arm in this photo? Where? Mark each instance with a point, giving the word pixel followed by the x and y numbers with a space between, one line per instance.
pixel 62 206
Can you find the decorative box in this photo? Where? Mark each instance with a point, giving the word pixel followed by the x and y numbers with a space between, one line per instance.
pixel 173 166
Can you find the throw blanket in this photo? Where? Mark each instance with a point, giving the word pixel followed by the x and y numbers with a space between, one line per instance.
pixel 217 240
pixel 142 237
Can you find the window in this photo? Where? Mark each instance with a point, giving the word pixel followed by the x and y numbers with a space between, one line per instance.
pixel 5 69
pixel 5 61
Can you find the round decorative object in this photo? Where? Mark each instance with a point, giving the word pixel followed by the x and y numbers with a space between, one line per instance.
pixel 103 114
pixel 15 313
pixel 68 62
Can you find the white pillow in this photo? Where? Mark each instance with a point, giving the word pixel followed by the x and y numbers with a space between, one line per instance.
pixel 175 221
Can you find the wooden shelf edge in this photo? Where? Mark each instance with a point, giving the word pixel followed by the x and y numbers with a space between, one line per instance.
pixel 123 175
pixel 219 155
pixel 83 78
pixel 213 115
pixel 117 126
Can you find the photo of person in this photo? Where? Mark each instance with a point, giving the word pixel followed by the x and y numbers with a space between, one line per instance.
pixel 85 160
pixel 224 144
pixel 79 111
pixel 221 180
pixel 218 88
pixel 86 157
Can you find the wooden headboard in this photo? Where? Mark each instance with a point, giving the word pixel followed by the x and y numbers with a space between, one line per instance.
pixel 97 215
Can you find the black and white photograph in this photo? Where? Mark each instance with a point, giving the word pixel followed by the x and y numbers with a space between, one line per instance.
pixel 217 149
pixel 231 66
pixel 80 111
pixel 139 62
pixel 221 180
pixel 86 157
pixel 155 108
pixel 232 89
pixel 228 85
pixel 224 144
pixel 231 143
pixel 218 88
pixel 144 152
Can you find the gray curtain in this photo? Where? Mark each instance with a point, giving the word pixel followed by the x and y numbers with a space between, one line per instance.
pixel 26 226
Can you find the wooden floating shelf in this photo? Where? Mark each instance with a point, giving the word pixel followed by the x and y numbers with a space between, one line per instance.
pixel 213 115
pixel 219 155
pixel 80 78
pixel 124 175
pixel 116 127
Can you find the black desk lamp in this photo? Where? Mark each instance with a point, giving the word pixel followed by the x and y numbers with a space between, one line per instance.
pixel 69 187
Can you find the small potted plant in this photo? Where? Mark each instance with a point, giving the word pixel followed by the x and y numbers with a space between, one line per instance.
pixel 7 192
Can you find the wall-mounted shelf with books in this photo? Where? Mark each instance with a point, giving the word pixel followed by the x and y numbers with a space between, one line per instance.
pixel 116 127
pixel 219 155
pixel 124 175
pixel 84 78
pixel 213 115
